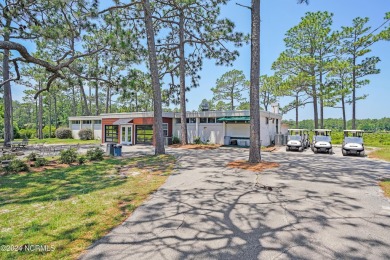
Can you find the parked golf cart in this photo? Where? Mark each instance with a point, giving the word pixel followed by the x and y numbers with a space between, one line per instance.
pixel 322 141
pixel 353 142
pixel 297 139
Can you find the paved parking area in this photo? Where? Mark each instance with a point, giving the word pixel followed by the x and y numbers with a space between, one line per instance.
pixel 321 206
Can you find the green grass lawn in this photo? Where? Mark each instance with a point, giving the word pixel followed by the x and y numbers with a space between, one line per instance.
pixel 382 153
pixel 69 208
pixel 385 184
pixel 61 141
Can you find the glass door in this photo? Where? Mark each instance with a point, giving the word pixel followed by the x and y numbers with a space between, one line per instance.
pixel 126 134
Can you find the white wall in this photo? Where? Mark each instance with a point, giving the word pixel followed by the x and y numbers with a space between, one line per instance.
pixel 237 130
pixel 211 132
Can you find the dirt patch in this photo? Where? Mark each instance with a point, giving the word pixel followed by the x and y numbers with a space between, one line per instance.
pixel 385 185
pixel 255 167
pixel 196 146
pixel 268 149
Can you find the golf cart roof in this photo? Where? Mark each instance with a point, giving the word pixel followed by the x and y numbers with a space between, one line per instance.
pixel 322 130
pixel 354 131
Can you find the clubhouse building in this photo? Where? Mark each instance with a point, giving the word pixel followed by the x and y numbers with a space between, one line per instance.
pixel 216 127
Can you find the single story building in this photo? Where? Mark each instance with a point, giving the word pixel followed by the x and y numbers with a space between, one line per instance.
pixel 210 126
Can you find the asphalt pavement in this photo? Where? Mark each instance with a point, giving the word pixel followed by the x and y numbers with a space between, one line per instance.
pixel 320 206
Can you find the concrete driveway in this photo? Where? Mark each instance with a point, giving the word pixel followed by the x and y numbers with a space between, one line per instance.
pixel 320 207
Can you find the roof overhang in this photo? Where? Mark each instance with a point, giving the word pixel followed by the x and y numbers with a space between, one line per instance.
pixel 235 119
pixel 123 121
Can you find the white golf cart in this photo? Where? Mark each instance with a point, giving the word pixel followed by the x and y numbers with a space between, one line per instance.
pixel 297 139
pixel 353 142
pixel 322 142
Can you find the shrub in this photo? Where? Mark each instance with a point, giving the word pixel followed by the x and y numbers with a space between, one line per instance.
pixel 6 157
pixel 68 156
pixel 63 133
pixel 175 140
pixel 40 161
pixel 27 133
pixel 15 166
pixel 197 140
pixel 47 133
pixel 86 134
pixel 32 157
pixel 95 154
pixel 81 160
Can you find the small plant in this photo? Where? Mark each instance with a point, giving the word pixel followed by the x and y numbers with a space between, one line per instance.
pixel 6 157
pixel 68 156
pixel 64 133
pixel 81 160
pixel 175 140
pixel 197 140
pixel 86 134
pixel 95 154
pixel 15 166
pixel 32 157
pixel 40 161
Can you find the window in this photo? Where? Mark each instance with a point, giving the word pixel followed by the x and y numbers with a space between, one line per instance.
pixel 203 120
pixel 266 120
pixel 76 122
pixel 86 122
pixel 111 133
pixel 165 129
pixel 97 122
pixel 211 120
pixel 191 120
pixel 178 120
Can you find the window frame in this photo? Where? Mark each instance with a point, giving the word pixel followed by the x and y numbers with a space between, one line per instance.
pixel 167 130
pixel 111 133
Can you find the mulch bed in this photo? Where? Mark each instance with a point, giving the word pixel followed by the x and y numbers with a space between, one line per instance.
pixel 196 146
pixel 255 167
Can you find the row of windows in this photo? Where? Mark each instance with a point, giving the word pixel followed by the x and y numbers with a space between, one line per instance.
pixel 202 120
pixel 86 122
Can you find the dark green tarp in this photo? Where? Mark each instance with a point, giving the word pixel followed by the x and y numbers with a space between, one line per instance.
pixel 234 119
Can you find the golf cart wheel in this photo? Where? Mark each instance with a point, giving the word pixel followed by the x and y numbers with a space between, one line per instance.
pixel 330 151
pixel 344 152
pixel 300 149
pixel 315 150
pixel 362 153
pixel 287 149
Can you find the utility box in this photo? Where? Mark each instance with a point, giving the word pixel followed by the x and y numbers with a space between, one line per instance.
pixel 226 140
pixel 167 141
pixel 117 150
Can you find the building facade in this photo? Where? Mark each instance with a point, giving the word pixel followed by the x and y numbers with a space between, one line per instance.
pixel 216 127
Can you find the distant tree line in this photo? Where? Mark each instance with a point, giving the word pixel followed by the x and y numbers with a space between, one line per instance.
pixel 370 125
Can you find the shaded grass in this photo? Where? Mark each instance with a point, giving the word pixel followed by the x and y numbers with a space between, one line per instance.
pixel 70 208
pixel 382 153
pixel 385 185
pixel 254 167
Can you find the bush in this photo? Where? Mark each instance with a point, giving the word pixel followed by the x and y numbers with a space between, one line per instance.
pixel 64 133
pixel 175 140
pixel 81 160
pixel 47 133
pixel 197 140
pixel 32 157
pixel 40 161
pixel 68 156
pixel 6 157
pixel 86 134
pixel 27 133
pixel 15 166
pixel 95 154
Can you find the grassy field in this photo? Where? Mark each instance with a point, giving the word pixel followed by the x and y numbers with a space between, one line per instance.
pixel 67 209
pixel 61 141
pixel 385 185
pixel 382 153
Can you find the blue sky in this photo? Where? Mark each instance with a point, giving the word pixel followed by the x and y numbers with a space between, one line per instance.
pixel 280 15
pixel 277 17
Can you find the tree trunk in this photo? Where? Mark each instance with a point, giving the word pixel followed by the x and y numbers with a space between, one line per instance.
pixel 182 74
pixel 40 112
pixel 84 100
pixel 49 114
pixel 55 112
pixel 343 108
pixel 74 101
pixel 157 125
pixel 321 101
pixel 254 150
pixel 354 93
pixel 296 111
pixel 315 100
pixel 7 95
pixel 97 88
pixel 232 99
